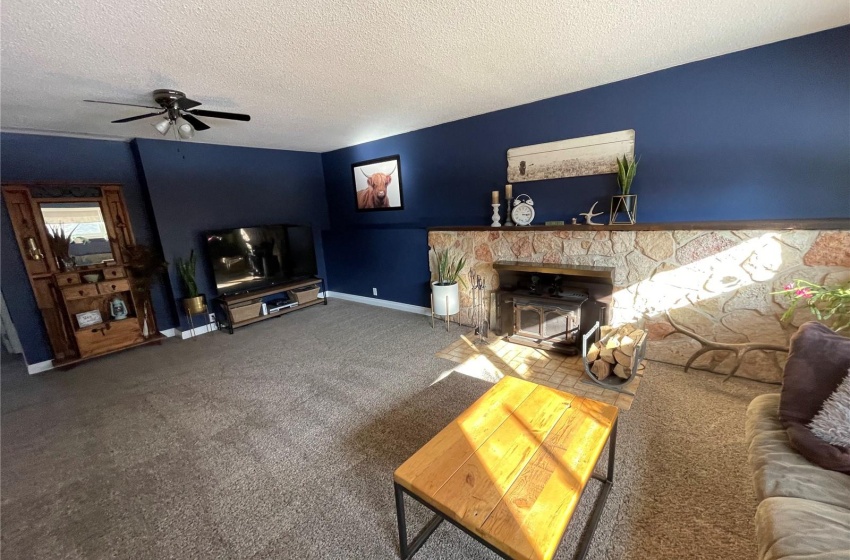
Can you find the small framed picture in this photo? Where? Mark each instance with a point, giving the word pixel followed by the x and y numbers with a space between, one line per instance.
pixel 89 318
pixel 377 184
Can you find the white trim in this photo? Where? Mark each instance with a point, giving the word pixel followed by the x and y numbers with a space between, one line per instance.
pixel 169 332
pixel 381 303
pixel 39 367
pixel 199 330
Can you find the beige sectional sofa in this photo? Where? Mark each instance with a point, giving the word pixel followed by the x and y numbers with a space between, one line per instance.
pixel 804 510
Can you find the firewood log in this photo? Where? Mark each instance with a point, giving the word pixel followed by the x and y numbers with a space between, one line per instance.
pixel 593 352
pixel 601 369
pixel 622 358
pixel 625 330
pixel 622 371
pixel 607 354
pixel 627 345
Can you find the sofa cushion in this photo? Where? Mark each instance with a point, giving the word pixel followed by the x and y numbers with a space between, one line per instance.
pixel 778 470
pixel 817 363
pixel 795 529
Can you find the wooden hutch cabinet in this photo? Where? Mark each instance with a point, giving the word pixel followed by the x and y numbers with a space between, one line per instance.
pixel 91 302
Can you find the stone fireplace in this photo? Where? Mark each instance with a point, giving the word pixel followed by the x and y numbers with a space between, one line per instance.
pixel 716 279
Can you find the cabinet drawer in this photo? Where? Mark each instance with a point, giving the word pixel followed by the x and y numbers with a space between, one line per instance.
pixel 113 272
pixel 98 339
pixel 67 279
pixel 80 291
pixel 114 286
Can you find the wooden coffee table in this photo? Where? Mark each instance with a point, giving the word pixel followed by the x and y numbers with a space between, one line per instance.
pixel 509 471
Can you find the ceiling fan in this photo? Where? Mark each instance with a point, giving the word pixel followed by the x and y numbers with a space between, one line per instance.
pixel 176 106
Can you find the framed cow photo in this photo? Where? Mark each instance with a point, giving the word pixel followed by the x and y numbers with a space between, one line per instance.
pixel 377 184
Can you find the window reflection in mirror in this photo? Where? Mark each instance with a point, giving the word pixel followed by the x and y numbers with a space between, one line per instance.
pixel 83 223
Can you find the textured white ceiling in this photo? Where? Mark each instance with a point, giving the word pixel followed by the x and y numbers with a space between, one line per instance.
pixel 322 74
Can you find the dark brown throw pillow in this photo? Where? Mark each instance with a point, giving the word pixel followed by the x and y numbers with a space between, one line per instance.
pixel 817 363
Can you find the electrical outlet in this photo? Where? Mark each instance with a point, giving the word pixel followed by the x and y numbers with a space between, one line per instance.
pixel 374 291
pixel 212 317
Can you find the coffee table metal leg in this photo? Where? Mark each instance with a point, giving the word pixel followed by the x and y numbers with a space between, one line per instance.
pixel 607 483
pixel 406 549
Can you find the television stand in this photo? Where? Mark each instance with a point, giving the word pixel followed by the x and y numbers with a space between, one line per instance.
pixel 239 310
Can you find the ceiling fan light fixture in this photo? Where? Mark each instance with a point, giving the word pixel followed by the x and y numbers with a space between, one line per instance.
pixel 163 126
pixel 185 130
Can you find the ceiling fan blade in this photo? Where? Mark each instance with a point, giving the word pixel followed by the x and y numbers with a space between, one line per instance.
pixel 196 123
pixel 128 119
pixel 114 103
pixel 220 115
pixel 186 104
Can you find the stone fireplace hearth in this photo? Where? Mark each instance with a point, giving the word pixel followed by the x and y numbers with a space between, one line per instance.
pixel 716 282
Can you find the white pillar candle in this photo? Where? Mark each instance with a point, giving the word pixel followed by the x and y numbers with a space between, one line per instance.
pixel 495 197
pixel 509 191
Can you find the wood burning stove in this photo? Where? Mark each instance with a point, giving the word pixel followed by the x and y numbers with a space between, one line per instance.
pixel 551 306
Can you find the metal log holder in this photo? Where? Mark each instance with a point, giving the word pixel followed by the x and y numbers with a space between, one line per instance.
pixel 612 381
pixel 480 320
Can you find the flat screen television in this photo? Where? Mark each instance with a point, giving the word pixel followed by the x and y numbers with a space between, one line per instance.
pixel 251 258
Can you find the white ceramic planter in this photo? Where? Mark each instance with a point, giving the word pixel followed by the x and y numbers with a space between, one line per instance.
pixel 440 293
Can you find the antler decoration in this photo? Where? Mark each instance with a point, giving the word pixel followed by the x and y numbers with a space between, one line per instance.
pixel 740 348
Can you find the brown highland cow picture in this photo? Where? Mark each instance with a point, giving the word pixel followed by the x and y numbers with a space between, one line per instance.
pixel 377 184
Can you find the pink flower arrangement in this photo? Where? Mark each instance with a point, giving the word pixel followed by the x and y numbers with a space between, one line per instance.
pixel 825 303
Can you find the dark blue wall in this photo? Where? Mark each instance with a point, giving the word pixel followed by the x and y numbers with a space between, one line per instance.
pixel 28 158
pixel 196 187
pixel 759 134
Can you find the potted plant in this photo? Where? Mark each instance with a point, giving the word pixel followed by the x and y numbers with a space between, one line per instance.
pixel 625 202
pixel 144 265
pixel 444 290
pixel 194 303
pixel 60 244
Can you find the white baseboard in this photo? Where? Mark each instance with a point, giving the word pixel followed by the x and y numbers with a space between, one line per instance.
pixel 39 367
pixel 47 365
pixel 381 303
pixel 199 330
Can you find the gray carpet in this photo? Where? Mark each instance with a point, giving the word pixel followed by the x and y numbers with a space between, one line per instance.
pixel 280 442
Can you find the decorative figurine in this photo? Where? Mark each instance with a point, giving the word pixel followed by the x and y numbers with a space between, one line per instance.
pixel 555 288
pixel 535 286
pixel 117 308
pixel 590 214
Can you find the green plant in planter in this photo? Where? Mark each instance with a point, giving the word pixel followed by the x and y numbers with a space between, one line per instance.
pixel 449 268
pixel 626 171
pixel 186 270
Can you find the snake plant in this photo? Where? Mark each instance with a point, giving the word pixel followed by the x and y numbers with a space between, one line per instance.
pixel 626 173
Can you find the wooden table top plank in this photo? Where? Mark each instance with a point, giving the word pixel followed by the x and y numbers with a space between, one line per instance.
pixel 428 469
pixel 513 466
pixel 477 487
pixel 530 520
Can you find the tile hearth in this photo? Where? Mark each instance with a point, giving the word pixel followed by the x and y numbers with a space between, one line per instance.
pixel 499 357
